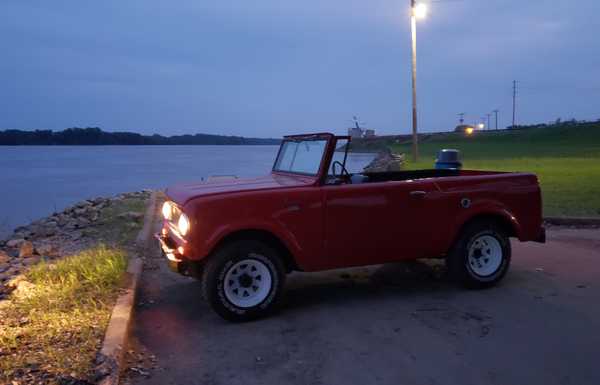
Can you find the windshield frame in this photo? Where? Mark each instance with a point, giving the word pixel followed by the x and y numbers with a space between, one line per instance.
pixel 326 158
pixel 304 138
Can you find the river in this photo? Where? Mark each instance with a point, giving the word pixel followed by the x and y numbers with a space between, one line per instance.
pixel 39 180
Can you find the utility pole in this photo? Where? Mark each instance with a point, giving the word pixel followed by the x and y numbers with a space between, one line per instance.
pixel 489 124
pixel 461 118
pixel 514 102
pixel 496 113
pixel 413 28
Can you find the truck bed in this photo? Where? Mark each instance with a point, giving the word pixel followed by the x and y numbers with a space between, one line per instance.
pixel 422 174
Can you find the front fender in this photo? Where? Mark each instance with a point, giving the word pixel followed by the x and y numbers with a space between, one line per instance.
pixel 206 246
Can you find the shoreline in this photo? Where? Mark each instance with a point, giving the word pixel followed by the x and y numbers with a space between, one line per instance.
pixel 58 235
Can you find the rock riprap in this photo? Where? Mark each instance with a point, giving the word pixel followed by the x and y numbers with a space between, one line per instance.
pixel 58 235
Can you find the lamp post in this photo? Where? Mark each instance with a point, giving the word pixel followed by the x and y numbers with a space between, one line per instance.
pixel 417 11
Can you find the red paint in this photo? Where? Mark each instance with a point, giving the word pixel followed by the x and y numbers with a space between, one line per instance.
pixel 328 226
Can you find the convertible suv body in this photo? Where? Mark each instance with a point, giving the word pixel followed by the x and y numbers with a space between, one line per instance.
pixel 241 236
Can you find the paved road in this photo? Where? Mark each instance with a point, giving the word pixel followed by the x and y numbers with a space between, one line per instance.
pixel 393 324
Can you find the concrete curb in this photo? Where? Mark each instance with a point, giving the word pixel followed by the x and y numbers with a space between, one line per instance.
pixel 111 355
pixel 146 232
pixel 573 221
pixel 109 362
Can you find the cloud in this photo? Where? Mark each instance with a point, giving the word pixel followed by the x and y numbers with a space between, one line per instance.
pixel 272 67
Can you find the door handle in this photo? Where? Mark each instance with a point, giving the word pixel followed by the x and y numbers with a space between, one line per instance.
pixel 293 207
pixel 418 194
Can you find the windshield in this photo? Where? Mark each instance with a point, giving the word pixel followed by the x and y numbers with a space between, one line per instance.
pixel 301 156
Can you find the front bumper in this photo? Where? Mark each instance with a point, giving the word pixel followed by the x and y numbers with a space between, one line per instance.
pixel 177 262
pixel 169 251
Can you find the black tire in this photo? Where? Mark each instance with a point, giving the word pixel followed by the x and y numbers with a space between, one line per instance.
pixel 463 269
pixel 226 258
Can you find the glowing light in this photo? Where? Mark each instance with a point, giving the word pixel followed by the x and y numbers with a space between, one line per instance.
pixel 180 250
pixel 172 257
pixel 420 11
pixel 183 225
pixel 469 130
pixel 481 126
pixel 167 211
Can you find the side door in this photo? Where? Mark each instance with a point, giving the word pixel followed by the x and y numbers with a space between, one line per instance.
pixel 374 223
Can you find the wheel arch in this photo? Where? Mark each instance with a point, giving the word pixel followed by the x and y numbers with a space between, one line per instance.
pixel 505 221
pixel 263 236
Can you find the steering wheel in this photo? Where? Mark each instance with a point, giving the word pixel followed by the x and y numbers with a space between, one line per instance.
pixel 344 173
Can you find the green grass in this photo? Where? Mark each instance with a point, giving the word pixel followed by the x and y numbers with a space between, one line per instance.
pixel 565 158
pixel 56 325
pixel 115 230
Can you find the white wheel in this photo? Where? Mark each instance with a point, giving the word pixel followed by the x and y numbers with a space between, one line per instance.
pixel 247 283
pixel 485 256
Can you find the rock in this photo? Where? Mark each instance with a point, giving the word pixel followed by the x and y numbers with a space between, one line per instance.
pixel 14 282
pixel 24 289
pixel 26 250
pixel 83 222
pixel 31 260
pixel 62 220
pixel 80 211
pixel 83 204
pixel 48 250
pixel 15 242
pixel 13 270
pixel 385 161
pixel 4 258
pixel 4 266
pixel 131 215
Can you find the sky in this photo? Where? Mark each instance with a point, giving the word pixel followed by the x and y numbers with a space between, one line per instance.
pixel 266 68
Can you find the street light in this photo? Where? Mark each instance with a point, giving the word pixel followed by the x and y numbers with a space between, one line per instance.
pixel 417 11
pixel 420 10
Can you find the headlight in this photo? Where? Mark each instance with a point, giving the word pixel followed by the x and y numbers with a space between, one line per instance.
pixel 183 225
pixel 167 211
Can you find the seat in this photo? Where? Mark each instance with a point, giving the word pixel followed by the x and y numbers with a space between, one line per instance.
pixel 358 179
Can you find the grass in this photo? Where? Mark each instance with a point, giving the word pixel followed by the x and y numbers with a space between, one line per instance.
pixel 54 327
pixel 115 230
pixel 565 158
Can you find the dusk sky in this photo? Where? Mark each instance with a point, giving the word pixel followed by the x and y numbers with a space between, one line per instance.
pixel 270 67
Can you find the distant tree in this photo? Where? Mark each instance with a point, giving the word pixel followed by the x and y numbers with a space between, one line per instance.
pixel 95 136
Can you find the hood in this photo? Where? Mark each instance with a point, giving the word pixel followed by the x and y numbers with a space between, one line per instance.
pixel 182 193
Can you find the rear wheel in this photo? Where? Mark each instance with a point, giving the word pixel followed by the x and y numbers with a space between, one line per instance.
pixel 481 256
pixel 243 280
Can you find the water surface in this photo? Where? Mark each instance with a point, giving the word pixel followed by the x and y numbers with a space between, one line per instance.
pixel 36 181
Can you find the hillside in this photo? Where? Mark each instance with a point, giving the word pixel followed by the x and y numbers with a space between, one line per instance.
pixel 95 136
pixel 565 157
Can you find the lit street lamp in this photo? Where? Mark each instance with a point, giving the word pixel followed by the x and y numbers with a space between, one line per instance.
pixel 417 11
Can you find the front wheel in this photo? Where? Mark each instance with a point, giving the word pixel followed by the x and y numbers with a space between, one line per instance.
pixel 481 256
pixel 243 280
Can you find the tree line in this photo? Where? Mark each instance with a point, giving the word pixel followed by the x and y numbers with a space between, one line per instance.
pixel 95 136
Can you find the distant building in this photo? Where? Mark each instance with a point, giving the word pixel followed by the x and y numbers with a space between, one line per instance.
pixel 358 133
pixel 355 132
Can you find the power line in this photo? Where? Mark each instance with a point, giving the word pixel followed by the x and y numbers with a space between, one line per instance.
pixel 496 113
pixel 514 103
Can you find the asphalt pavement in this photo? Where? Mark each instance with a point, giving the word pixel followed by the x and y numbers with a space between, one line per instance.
pixel 392 324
